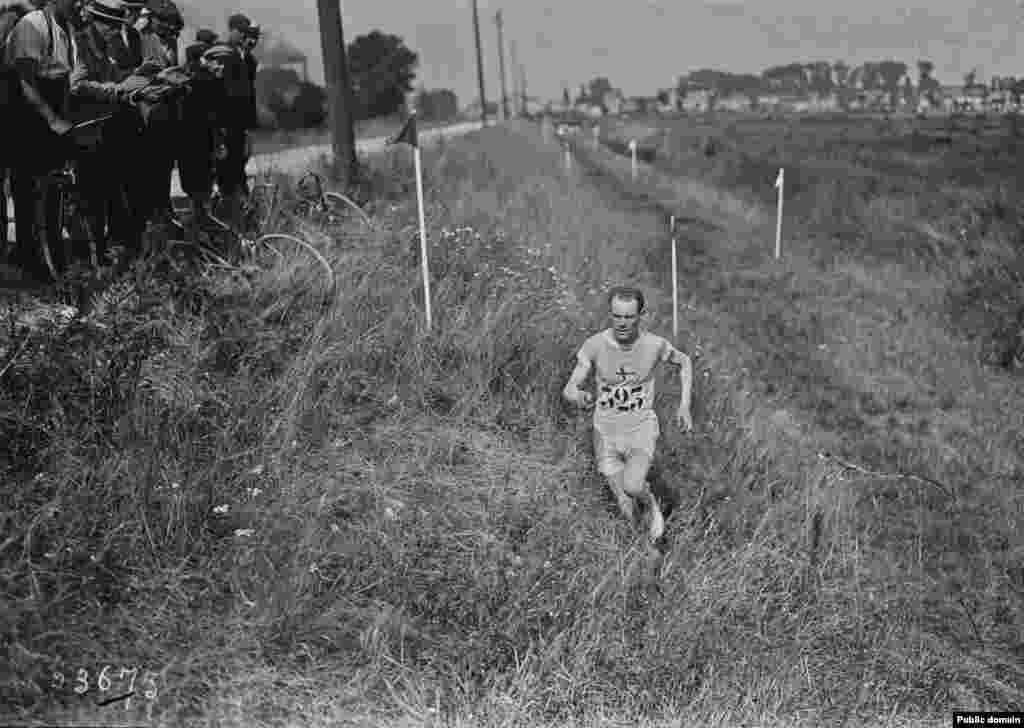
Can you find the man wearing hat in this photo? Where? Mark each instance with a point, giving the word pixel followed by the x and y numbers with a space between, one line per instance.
pixel 131 35
pixel 201 135
pixel 161 23
pixel 207 38
pixel 106 172
pixel 241 117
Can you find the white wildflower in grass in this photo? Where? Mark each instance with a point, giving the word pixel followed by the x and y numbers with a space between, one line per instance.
pixel 175 485
pixel 313 568
pixel 258 470
pixel 335 528
pixel 254 492
pixel 244 532
pixel 221 509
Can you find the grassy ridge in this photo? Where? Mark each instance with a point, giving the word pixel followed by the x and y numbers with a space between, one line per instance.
pixel 413 530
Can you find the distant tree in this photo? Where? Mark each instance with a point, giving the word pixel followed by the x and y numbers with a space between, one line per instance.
pixel 821 77
pixel 596 90
pixel 891 72
pixel 789 77
pixel 841 74
pixel 970 78
pixel 662 96
pixel 925 82
pixel 565 97
pixel 272 83
pixel 908 91
pixel 439 104
pixel 382 69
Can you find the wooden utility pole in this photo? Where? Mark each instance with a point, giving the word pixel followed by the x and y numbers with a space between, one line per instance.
pixel 522 89
pixel 479 64
pixel 501 66
pixel 517 111
pixel 339 89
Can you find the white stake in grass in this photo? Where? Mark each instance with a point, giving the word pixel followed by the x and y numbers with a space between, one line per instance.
pixel 779 182
pixel 675 283
pixel 568 157
pixel 408 136
pixel 632 151
pixel 597 136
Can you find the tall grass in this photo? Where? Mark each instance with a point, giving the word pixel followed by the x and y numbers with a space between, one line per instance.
pixel 303 516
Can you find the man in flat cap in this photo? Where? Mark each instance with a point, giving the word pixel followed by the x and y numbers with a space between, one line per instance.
pixel 201 135
pixel 241 117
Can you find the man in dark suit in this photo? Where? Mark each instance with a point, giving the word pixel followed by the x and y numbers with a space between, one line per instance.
pixel 239 85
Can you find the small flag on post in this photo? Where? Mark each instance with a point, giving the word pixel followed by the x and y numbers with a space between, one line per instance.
pixel 408 136
pixel 779 182
pixel 632 151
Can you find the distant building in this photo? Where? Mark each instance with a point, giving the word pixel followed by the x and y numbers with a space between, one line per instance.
pixel 696 99
pixel 734 102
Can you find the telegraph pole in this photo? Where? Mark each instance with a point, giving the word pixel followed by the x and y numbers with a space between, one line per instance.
pixel 501 67
pixel 479 64
pixel 515 78
pixel 522 88
pixel 339 89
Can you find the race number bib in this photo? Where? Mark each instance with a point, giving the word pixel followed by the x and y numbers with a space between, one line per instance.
pixel 622 398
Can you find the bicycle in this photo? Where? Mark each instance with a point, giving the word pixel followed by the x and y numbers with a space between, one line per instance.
pixel 63 182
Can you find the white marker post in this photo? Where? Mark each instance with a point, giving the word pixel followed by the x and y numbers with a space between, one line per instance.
pixel 632 150
pixel 423 233
pixel 409 136
pixel 779 181
pixel 568 157
pixel 675 283
pixel 597 136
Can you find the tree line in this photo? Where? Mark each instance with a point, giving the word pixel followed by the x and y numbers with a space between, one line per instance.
pixel 382 70
pixel 892 78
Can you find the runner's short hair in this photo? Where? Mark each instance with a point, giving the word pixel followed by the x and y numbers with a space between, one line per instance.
pixel 627 293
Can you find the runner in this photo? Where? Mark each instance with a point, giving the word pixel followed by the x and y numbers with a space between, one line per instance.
pixel 625 358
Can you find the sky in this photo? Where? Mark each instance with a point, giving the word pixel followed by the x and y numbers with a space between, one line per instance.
pixel 644 45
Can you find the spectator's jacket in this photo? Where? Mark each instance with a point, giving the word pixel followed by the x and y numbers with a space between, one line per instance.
pixel 158 50
pixel 99 70
pixel 39 39
pixel 239 85
pixel 131 41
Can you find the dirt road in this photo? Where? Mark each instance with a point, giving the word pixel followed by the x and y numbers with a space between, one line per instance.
pixel 295 160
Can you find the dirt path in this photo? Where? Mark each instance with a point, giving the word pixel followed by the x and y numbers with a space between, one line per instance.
pixel 296 160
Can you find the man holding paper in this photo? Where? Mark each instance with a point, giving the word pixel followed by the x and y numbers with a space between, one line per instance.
pixel 625 359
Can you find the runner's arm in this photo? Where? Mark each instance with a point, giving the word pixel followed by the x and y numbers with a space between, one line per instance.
pixel 674 356
pixel 572 392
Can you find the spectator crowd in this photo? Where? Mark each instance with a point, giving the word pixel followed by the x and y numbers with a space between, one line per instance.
pixel 94 91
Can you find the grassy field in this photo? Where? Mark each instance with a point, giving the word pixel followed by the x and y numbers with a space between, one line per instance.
pixel 286 508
